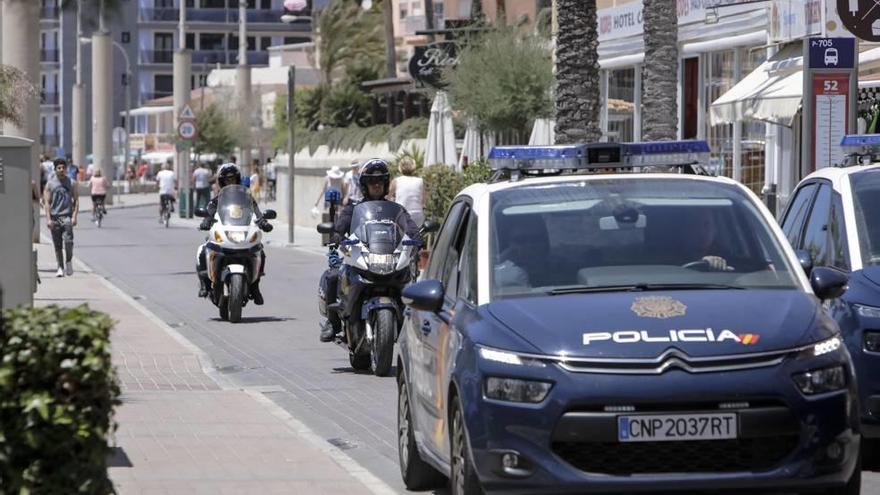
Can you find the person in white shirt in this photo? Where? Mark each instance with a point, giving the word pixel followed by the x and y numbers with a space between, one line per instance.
pixel 202 185
pixel 351 187
pixel 409 191
pixel 167 180
pixel 271 179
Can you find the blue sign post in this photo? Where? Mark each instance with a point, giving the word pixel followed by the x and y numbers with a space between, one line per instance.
pixel 832 53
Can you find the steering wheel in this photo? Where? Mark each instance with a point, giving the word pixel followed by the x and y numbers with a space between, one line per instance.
pixel 699 265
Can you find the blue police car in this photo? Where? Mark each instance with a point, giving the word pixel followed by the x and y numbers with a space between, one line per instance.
pixel 584 331
pixel 833 220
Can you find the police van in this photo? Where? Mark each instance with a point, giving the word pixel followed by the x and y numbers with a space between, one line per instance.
pixel 609 318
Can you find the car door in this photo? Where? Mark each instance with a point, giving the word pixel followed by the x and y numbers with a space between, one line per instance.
pixel 815 238
pixel 796 215
pixel 422 329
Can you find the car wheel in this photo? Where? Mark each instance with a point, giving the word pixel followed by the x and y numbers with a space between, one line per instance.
pixel 463 478
pixel 416 473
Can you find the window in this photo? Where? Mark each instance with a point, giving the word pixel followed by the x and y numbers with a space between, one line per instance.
pixel 467 288
pixel 126 37
pixel 444 240
pixel 403 12
pixel 838 249
pixel 866 200
pixel 721 76
pixel 816 234
pixel 211 41
pixel 621 96
pixel 291 40
pixel 163 84
pixel 164 4
pixel 213 4
pixel 191 41
pixel 265 43
pixel 797 213
pixel 251 43
pixel 163 42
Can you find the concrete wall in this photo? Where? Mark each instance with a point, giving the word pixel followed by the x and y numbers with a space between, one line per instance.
pixel 17 263
pixel 311 170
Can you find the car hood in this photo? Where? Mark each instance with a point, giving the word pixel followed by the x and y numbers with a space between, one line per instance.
pixel 645 324
pixel 871 273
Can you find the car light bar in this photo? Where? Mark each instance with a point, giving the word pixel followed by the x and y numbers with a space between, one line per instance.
pixel 594 156
pixel 860 148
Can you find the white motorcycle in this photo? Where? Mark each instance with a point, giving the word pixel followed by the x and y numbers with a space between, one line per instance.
pixel 234 251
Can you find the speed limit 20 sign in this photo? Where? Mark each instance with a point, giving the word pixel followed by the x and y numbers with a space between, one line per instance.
pixel 187 130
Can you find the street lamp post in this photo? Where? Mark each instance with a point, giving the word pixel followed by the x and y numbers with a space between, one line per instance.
pixel 243 83
pixel 291 169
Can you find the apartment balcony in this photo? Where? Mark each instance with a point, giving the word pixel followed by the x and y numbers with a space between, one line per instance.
pixel 211 57
pixel 157 56
pixel 49 97
pixel 145 97
pixel 49 55
pixel 50 141
pixel 50 13
pixel 217 16
pixel 253 58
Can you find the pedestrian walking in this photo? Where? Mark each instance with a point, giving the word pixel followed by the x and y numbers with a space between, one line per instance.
pixel 256 182
pixel 61 204
pixel 409 191
pixel 331 193
pixel 47 170
pixel 271 179
pixel 351 187
pixel 202 185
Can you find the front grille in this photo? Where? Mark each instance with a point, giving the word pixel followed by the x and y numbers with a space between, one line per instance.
pixel 703 456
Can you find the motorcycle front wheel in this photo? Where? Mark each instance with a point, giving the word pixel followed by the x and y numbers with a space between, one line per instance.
pixel 224 308
pixel 236 296
pixel 383 341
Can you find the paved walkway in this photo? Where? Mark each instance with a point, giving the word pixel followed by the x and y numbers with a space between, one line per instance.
pixel 181 428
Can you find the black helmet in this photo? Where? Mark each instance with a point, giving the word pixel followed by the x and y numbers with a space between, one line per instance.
pixel 372 171
pixel 228 174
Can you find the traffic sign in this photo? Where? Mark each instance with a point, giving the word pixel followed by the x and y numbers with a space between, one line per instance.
pixel 187 130
pixel 186 113
pixel 861 18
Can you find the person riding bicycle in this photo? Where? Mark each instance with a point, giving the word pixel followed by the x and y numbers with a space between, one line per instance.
pixel 228 174
pixel 98 186
pixel 167 180
pixel 375 180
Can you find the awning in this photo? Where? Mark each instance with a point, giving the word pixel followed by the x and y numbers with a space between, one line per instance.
pixel 148 111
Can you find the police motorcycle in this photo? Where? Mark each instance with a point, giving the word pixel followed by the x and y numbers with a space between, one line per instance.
pixel 379 260
pixel 234 251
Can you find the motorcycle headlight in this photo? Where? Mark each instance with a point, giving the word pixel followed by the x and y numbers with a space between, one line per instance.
pixel 236 236
pixel 382 263
pixel 821 380
pixel 516 390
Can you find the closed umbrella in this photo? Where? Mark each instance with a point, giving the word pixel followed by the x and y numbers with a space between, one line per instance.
pixel 441 134
pixel 543 133
pixel 476 146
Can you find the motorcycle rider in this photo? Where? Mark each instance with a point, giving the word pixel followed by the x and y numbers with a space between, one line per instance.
pixel 375 180
pixel 229 174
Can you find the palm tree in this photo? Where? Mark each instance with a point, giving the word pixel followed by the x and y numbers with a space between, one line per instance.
pixel 659 104
pixel 577 72
pixel 349 34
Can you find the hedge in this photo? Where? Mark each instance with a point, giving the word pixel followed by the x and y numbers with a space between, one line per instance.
pixel 58 391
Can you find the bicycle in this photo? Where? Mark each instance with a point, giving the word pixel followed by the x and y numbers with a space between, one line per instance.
pixel 100 211
pixel 167 205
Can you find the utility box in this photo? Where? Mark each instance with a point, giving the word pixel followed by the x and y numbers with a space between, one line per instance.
pixel 17 263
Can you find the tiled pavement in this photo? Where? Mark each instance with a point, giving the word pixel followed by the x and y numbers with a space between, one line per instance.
pixel 182 428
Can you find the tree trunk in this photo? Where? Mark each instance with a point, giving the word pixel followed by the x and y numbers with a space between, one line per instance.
pixel 429 18
pixel 659 100
pixel 390 51
pixel 577 73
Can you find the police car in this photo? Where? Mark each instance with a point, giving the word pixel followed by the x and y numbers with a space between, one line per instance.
pixel 583 331
pixel 833 220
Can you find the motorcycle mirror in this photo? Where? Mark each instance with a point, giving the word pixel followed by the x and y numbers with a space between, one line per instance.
pixel 426 295
pixel 325 228
pixel 270 214
pixel 430 226
pixel 200 212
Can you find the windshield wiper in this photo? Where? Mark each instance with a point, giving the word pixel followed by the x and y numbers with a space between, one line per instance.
pixel 583 289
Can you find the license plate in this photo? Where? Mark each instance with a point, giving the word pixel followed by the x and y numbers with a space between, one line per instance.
pixel 676 427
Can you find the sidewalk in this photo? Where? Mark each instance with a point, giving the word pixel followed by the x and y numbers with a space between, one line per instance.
pixel 181 428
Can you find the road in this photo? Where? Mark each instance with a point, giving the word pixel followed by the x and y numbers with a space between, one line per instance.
pixel 275 349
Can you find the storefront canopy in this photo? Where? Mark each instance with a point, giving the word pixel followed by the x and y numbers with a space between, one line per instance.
pixel 772 92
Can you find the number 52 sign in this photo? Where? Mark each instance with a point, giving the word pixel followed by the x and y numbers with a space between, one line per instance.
pixel 830 117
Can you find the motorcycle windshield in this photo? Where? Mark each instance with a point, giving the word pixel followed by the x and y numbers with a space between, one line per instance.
pixel 235 206
pixel 379 225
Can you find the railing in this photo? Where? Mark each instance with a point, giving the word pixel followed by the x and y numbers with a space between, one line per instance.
pixel 210 57
pixel 48 55
pixel 224 16
pixel 49 98
pixel 157 56
pixel 49 12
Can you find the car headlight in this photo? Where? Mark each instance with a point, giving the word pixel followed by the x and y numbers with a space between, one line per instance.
pixel 872 341
pixel 382 263
pixel 826 346
pixel 821 380
pixel 236 236
pixel 516 390
pixel 867 311
pixel 508 358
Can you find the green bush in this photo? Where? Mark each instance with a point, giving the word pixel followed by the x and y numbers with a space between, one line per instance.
pixel 58 391
pixel 442 184
pixel 476 172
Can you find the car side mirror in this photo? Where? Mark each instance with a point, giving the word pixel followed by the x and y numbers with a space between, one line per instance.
pixel 805 259
pixel 828 283
pixel 430 226
pixel 270 214
pixel 325 228
pixel 426 295
pixel 200 212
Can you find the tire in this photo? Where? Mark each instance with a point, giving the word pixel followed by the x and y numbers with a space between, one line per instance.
pixel 463 478
pixel 382 353
pixel 167 219
pixel 416 473
pixel 359 362
pixel 236 296
pixel 853 486
pixel 100 219
pixel 224 308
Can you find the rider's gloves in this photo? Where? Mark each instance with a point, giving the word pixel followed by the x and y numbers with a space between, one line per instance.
pixel 265 226
pixel 206 224
pixel 333 258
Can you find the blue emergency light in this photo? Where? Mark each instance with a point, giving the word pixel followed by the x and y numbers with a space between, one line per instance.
pixel 859 147
pixel 668 153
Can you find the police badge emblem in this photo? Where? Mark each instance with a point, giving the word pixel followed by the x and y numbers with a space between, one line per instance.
pixel 658 307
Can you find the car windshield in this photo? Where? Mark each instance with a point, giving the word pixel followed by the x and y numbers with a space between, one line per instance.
pixel 235 206
pixel 866 200
pixel 379 225
pixel 631 234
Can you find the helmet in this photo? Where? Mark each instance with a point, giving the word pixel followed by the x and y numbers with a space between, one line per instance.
pixel 228 174
pixel 372 171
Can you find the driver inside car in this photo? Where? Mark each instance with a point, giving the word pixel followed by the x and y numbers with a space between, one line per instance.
pixel 703 248
pixel 375 180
